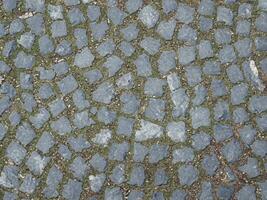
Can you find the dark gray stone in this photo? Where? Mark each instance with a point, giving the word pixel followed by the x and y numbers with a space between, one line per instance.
pixel 185 14
pixel 222 132
pixel 117 175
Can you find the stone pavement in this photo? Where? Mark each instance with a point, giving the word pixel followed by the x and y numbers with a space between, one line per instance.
pixel 133 99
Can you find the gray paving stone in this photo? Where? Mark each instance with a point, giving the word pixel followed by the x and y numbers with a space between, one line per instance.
pixel 160 177
pixel 125 126
pixel 206 191
pixel 36 24
pixel 158 152
pixel 227 54
pixel 149 16
pixel 61 126
pixel 225 192
pixel 200 117
pixel 82 119
pixel 257 104
pixel 200 140
pixel 61 68
pixel 187 34
pixel 259 148
pixel 166 61
pixel 221 111
pixel 155 109
pixel 148 131
pixel 64 48
pixel 222 132
pixel 39 119
pixel 166 29
pixel 72 190
pixel 210 164
pixel 223 35
pixel 79 143
pixel 250 168
pixel 93 76
pixel 46 45
pixel 79 168
pixel 243 27
pixel 126 48
pixel 154 87
pixel 178 194
pixel 84 58
pixel 16 26
pixel 247 192
pixel 133 5
pixel 26 40
pixel 75 16
pixel 9 177
pixel 186 54
pixel 118 151
pixel 16 152
pixel 113 65
pixel 185 154
pixel 206 7
pixel 67 85
pixel 99 30
pixel 151 45
pixel 225 15
pixel 45 142
pixel 106 115
pixel 98 162
pixel 234 74
pixel 104 93
pixel 118 174
pixel 37 163
pixel 45 91
pixel 261 43
pixel 244 10
pixel 113 193
pixel 232 151
pixel 55 11
pixel 187 174
pixel 23 60
pixel 185 14
pixel 139 152
pixel 218 88
pixel 137 176
pixel 143 65
pixel 64 151
pixel 96 182
pixel 240 115
pixel 130 102
pixel 24 133
pixel 3 131
pixel 14 118
pixel 244 47
pixel 193 75
pixel 29 184
pixel 93 12
pixel 56 107
pixel 10 196
pixel 106 48
pixel 103 137
pixel 4 68
pixel 176 131
pixel 205 49
pixel 205 24
pixel 135 194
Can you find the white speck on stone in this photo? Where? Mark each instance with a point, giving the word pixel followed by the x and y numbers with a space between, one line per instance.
pixel 148 130
pixel 255 73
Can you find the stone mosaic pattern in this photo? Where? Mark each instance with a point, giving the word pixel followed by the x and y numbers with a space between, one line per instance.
pixel 133 99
